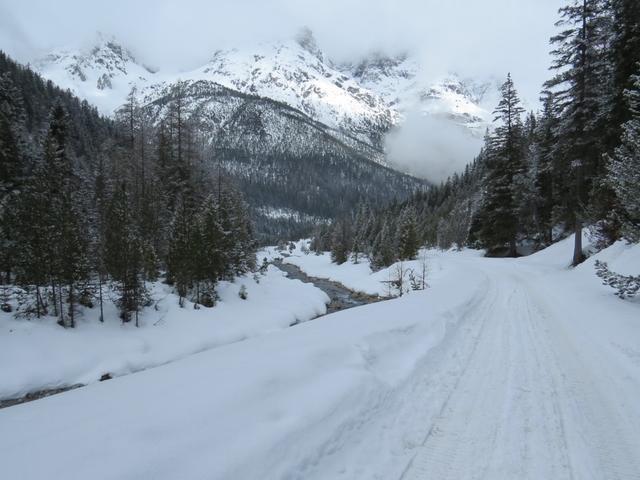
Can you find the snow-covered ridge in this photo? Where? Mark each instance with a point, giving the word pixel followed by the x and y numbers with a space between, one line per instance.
pixel 363 99
pixel 519 368
pixel 103 74
pixel 403 84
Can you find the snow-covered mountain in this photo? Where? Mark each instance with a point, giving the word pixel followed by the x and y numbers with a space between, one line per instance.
pixel 102 74
pixel 296 73
pixel 358 102
pixel 401 82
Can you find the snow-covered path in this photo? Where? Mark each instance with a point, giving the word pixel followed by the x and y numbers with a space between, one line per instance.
pixel 530 400
pixel 503 369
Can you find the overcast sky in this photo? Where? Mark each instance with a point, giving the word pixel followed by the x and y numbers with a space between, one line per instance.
pixel 471 37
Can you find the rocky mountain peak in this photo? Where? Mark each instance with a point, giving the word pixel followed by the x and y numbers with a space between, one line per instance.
pixel 307 41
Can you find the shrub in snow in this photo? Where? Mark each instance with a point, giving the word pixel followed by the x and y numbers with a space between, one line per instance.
pixel 243 292
pixel 86 298
pixel 264 266
pixel 626 286
pixel 208 296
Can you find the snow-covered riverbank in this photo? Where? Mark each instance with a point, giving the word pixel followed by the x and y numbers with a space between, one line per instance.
pixel 502 368
pixel 37 354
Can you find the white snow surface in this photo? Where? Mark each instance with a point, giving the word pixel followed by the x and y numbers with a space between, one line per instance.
pixel 373 94
pixel 38 354
pixel 359 276
pixel 502 369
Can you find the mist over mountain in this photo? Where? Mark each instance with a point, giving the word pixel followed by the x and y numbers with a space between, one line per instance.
pixel 359 101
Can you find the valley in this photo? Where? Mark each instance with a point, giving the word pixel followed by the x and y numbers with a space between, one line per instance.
pixel 482 374
pixel 391 240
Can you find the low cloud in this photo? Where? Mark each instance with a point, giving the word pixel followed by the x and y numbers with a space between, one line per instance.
pixel 431 147
pixel 471 38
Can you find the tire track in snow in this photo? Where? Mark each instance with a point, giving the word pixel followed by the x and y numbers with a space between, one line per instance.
pixel 502 420
pixel 387 420
pixel 442 460
pixel 599 443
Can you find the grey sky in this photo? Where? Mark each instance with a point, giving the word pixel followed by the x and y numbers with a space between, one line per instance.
pixel 471 37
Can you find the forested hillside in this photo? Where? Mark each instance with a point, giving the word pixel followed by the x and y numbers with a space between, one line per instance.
pixel 85 202
pixel 293 170
pixel 540 175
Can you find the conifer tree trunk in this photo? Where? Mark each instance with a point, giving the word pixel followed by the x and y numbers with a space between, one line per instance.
pixel 55 298
pixel 61 305
pixel 38 301
pixel 577 247
pixel 72 322
pixel 100 294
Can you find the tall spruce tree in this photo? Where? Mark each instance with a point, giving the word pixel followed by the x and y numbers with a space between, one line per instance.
pixel 545 175
pixel 210 265
pixel 341 241
pixel 182 255
pixel 624 169
pixel 505 156
pixel 123 256
pixel 383 249
pixel 13 162
pixel 66 217
pixel 624 55
pixel 580 93
pixel 408 242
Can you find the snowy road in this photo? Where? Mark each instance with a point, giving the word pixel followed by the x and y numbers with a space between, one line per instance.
pixel 530 400
pixel 504 369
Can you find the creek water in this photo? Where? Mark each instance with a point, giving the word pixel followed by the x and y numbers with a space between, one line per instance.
pixel 341 297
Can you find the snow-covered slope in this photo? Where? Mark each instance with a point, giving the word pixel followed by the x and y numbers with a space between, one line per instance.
pixel 406 87
pixel 363 99
pixel 102 74
pixel 297 73
pixel 52 357
pixel 502 369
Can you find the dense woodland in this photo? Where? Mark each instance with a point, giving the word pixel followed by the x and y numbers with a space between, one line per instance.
pixel 89 204
pixel 540 176
pixel 294 171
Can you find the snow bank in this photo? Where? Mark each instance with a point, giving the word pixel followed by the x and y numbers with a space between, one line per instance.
pixel 38 354
pixel 353 395
pixel 360 277
pixel 269 407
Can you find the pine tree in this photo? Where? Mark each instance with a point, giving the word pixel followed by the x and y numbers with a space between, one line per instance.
pixel 361 231
pixel 408 243
pixel 504 152
pixel 340 242
pixel 182 255
pixel 545 175
pixel 624 56
pixel 383 251
pixel 210 265
pixel 12 171
pixel 34 249
pixel 624 168
pixel 65 219
pixel 580 101
pixel 123 256
pixel 238 244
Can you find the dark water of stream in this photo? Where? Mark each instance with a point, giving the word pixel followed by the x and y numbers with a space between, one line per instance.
pixel 341 297
pixel 10 402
